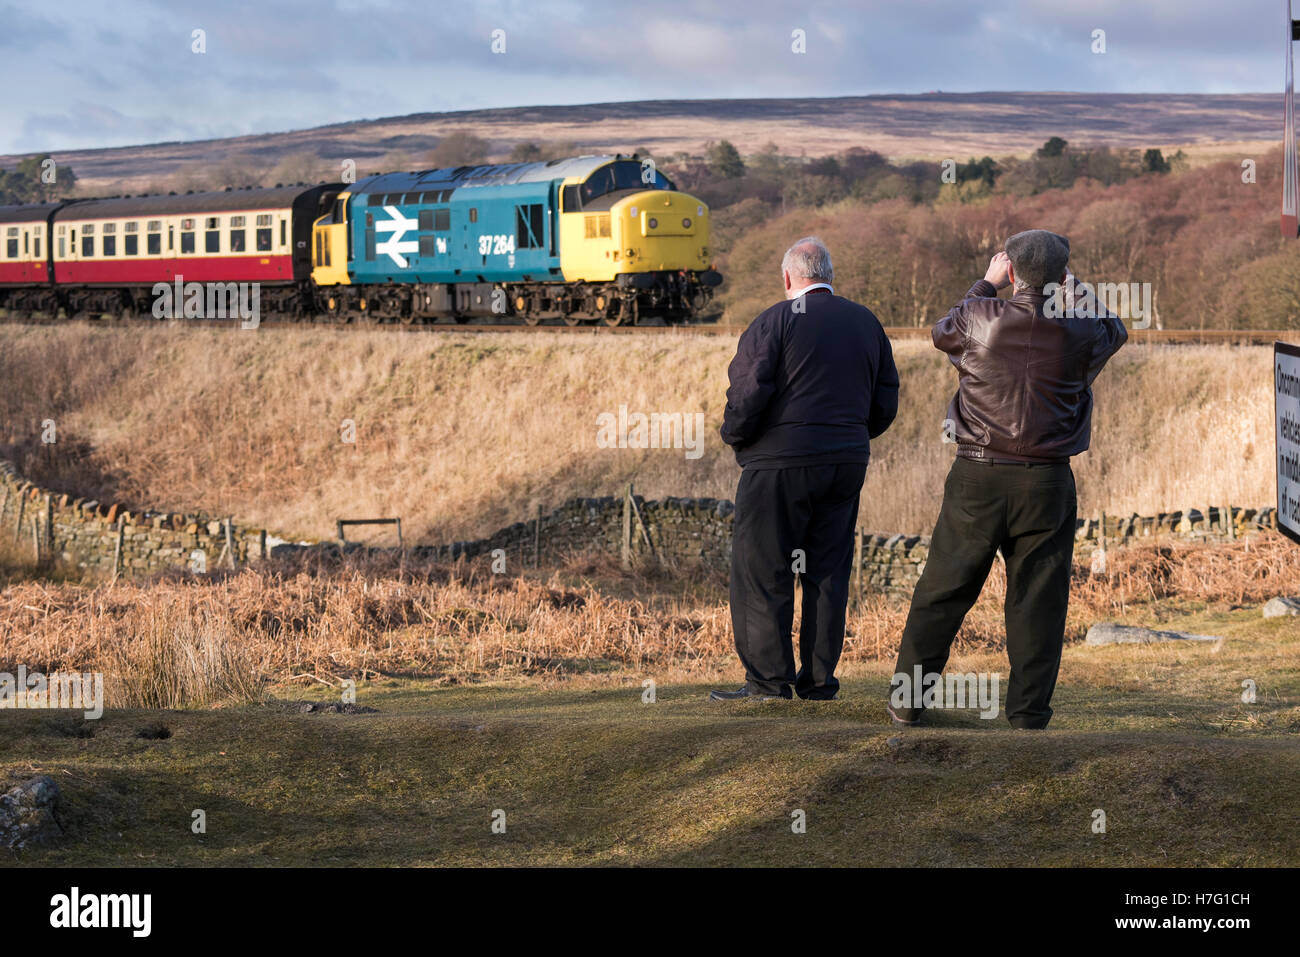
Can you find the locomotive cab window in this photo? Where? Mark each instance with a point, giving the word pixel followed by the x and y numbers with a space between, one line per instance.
pixel 619 176
pixel 529 232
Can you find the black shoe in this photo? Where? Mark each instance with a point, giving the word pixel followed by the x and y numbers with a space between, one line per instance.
pixel 901 722
pixel 743 694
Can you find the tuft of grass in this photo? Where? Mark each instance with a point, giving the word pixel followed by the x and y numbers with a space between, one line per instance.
pixel 173 656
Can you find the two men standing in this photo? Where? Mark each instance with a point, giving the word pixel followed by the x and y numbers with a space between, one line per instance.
pixel 1023 407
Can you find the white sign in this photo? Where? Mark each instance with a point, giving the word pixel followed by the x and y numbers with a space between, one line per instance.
pixel 1286 390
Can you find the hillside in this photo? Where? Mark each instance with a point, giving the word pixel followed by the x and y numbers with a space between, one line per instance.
pixel 460 434
pixel 929 125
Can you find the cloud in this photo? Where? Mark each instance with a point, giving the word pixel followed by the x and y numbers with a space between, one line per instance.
pixel 97 74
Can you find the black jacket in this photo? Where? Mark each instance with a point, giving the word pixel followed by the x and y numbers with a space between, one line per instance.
pixel 810 387
pixel 1024 386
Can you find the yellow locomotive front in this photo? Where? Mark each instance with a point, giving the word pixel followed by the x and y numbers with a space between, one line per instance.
pixel 624 224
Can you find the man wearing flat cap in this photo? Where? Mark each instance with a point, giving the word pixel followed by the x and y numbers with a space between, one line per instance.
pixel 1023 407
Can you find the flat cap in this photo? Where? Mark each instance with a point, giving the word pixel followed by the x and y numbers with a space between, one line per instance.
pixel 1038 256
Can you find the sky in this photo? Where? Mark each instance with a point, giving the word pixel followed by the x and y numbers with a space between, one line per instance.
pixel 96 74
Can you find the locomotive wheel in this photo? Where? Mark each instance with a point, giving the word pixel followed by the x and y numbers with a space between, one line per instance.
pixel 532 318
pixel 626 312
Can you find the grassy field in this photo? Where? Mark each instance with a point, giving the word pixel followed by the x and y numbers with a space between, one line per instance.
pixel 461 434
pixel 478 693
pixel 586 773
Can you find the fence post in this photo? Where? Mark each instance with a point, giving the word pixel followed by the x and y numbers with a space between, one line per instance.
pixel 537 537
pixel 857 566
pixel 625 553
pixel 18 525
pixel 117 548
pixel 230 545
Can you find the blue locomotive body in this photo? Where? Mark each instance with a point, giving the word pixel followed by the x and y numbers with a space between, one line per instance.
pixel 414 228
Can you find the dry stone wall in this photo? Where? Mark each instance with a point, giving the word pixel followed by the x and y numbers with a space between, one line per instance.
pixel 107 538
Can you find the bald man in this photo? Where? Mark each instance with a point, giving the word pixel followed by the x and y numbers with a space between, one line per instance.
pixel 813 381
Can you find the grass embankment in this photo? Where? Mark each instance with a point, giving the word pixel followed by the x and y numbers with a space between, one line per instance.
pixel 461 434
pixel 1157 737
pixel 526 696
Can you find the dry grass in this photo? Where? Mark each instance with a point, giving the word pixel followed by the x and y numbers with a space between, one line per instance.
pixel 460 434
pixel 182 642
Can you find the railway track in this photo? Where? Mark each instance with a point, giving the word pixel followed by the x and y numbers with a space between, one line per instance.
pixel 1243 337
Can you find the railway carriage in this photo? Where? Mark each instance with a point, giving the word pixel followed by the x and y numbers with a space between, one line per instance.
pixel 24 256
pixel 109 253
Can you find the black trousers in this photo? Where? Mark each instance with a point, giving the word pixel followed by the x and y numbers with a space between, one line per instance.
pixel 1029 513
pixel 813 510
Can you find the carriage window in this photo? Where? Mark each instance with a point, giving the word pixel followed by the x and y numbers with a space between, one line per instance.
pixel 110 245
pixel 283 226
pixel 11 248
pixel 87 246
pixel 36 246
pixel 263 232
pixel 130 244
pixel 212 235
pixel 237 237
pixel 187 241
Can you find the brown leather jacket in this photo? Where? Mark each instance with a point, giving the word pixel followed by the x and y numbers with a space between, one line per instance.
pixel 1024 389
